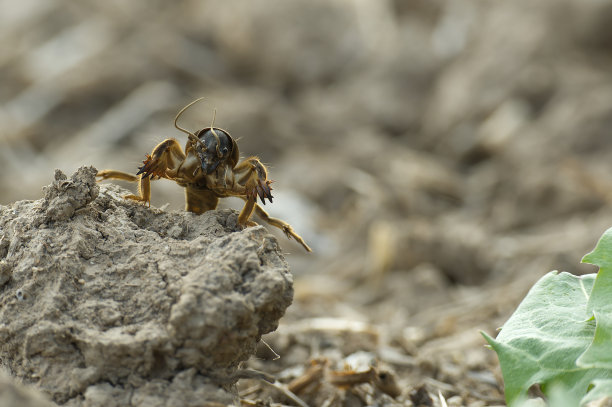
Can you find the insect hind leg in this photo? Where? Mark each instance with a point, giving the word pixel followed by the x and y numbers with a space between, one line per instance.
pixel 144 185
pixel 120 175
pixel 282 225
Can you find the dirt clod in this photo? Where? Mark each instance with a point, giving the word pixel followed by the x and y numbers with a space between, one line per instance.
pixel 107 302
pixel 64 196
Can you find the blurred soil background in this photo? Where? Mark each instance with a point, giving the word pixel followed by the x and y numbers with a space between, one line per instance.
pixel 438 156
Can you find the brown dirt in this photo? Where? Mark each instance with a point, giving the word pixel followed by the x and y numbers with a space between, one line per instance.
pixel 439 157
pixel 111 303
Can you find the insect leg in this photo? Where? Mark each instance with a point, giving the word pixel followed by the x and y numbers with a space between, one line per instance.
pixel 246 211
pixel 163 162
pixel 255 179
pixel 165 157
pixel 144 187
pixel 112 174
pixel 282 225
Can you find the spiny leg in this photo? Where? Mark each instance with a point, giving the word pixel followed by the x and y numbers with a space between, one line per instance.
pixel 144 188
pixel 255 179
pixel 144 191
pixel 252 184
pixel 112 174
pixel 165 158
pixel 245 213
pixel 282 225
pixel 163 162
pixel 241 192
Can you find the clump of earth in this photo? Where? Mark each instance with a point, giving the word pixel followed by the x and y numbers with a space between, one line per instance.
pixel 108 302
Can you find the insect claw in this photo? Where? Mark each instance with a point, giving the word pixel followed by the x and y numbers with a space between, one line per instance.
pixel 261 193
pixel 266 189
pixel 145 165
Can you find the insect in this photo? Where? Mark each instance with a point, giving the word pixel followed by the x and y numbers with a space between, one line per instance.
pixel 208 169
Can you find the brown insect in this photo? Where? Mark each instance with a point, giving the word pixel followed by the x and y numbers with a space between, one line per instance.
pixel 208 169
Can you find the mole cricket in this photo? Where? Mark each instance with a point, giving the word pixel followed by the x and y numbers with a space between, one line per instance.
pixel 208 169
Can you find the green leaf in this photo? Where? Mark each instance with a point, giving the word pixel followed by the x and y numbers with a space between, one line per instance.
pixel 599 353
pixel 560 336
pixel 602 388
pixel 601 256
pixel 542 340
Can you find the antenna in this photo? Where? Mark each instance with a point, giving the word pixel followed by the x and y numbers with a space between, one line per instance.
pixel 191 136
pixel 212 130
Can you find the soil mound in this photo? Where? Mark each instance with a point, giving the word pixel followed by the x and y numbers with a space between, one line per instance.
pixel 107 302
